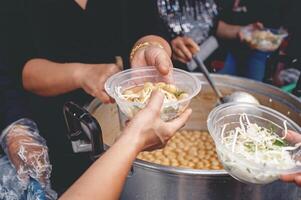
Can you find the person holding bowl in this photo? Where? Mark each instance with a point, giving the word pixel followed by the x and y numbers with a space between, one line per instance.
pixel 66 52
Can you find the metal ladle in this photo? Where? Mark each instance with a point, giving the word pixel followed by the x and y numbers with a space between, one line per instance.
pixel 237 96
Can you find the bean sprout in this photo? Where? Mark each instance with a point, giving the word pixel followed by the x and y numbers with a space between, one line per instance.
pixel 259 146
pixel 141 94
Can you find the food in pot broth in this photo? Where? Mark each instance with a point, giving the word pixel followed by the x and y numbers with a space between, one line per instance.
pixel 187 149
pixel 259 151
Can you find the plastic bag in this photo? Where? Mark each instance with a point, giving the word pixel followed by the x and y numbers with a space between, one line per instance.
pixel 28 155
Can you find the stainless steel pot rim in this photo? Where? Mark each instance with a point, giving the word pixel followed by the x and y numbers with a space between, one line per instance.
pixel 177 170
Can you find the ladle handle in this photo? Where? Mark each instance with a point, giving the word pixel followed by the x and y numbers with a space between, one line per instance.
pixel 207 75
pixel 83 129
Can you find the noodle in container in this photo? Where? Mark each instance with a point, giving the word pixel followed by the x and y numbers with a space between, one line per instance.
pixel 132 88
pixel 254 143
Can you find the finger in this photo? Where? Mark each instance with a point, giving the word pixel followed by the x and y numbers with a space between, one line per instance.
pixel 163 64
pixel 288 177
pixel 293 137
pixel 185 51
pixel 192 44
pixel 111 69
pixel 112 100
pixel 103 97
pixel 180 55
pixel 152 148
pixel 155 102
pixel 241 36
pixel 298 180
pixel 179 59
pixel 179 122
pixel 138 60
pixel 127 122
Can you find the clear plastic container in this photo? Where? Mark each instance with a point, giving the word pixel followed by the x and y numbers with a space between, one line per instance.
pixel 138 76
pixel 266 40
pixel 237 165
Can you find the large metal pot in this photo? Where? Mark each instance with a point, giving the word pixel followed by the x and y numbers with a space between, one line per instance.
pixel 148 181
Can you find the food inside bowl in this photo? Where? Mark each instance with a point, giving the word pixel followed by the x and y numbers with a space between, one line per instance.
pixel 251 146
pixel 186 149
pixel 264 40
pixel 132 88
pixel 138 96
pixel 141 94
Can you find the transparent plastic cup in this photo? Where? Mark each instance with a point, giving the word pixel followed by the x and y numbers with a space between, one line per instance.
pixel 136 77
pixel 238 166
pixel 266 40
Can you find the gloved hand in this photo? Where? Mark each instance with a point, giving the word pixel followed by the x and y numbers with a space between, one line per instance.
pixel 27 152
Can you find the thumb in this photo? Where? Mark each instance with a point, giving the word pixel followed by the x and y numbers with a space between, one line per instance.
pixel 155 101
pixel 179 122
pixel 163 64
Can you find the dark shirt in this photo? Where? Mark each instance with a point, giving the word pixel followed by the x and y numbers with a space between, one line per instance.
pixel 60 31
pixel 13 99
pixel 293 25
pixel 243 12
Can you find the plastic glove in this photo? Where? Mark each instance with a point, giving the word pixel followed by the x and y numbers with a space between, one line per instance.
pixel 27 151
pixel 11 188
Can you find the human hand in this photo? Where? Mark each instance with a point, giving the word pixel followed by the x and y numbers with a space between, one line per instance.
pixel 92 78
pixel 150 130
pixel 184 48
pixel 153 55
pixel 253 26
pixel 27 152
pixel 294 138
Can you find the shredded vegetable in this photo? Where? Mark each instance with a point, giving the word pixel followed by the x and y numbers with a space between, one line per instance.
pixel 258 145
pixel 138 96
pixel 141 94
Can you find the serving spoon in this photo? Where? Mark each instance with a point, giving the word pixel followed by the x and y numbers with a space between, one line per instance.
pixel 237 96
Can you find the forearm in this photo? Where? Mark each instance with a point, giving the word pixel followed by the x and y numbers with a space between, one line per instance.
pixel 48 78
pixel 155 39
pixel 106 177
pixel 227 31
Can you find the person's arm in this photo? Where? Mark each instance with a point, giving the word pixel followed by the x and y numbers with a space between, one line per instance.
pixel 28 153
pixel 231 32
pixel 48 78
pixel 227 31
pixel 105 178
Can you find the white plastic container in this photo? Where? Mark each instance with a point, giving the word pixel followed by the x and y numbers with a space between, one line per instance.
pixel 135 77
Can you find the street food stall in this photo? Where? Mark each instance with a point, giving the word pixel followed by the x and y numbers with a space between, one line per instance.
pixel 174 173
